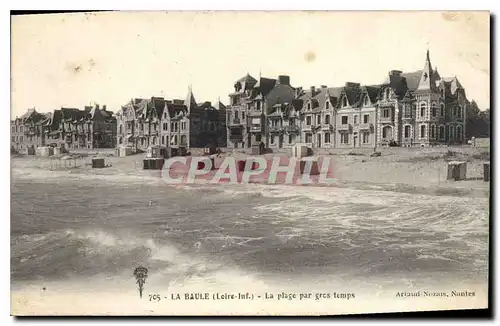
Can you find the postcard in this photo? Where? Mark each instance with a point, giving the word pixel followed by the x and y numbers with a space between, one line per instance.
pixel 249 162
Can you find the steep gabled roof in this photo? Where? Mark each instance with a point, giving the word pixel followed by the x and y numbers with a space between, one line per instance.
pixel 412 79
pixel 372 92
pixel 190 101
pixel 175 109
pixel 353 94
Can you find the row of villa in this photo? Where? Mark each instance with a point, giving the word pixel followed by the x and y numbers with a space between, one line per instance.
pixel 91 127
pixel 138 124
pixel 408 109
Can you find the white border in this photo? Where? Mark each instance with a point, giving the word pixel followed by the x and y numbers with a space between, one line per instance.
pixel 190 5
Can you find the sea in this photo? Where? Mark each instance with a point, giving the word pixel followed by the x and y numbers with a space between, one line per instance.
pixel 83 237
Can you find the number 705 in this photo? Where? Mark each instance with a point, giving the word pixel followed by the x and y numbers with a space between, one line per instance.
pixel 154 297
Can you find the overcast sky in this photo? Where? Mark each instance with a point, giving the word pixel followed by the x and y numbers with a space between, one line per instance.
pixel 108 58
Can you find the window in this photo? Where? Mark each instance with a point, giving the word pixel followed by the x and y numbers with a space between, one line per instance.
pixel 434 109
pixel 344 101
pixel 327 119
pixel 13 139
pixel 121 129
pixel 443 92
pixel 166 140
pixel 422 131
pixel 291 122
pixel 442 109
pixel 454 111
pixel 441 132
pixel 423 107
pixel 308 138
pixel 366 137
pixel 407 131
pixel 21 139
pixel 459 133
pixel 309 106
pixel 459 109
pixel 387 93
pixel 385 113
pixel 183 140
pixel 258 105
pixel 308 120
pixel 366 118
pixel 433 131
pixel 162 140
pixel 290 139
pixel 13 129
pixel 345 119
pixel 355 119
pixel 236 114
pixel 344 138
pixel 451 132
pixel 120 140
pixel 327 137
pixel 385 132
pixel 365 101
pixel 327 105
pixel 242 115
pixel 272 140
pixel 318 119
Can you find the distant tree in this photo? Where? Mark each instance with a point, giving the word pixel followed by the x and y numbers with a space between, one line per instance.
pixel 478 122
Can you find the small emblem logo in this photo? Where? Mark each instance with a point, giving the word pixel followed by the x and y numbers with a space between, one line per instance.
pixel 141 273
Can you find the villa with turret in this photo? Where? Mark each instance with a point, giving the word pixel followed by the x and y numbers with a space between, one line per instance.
pixel 418 108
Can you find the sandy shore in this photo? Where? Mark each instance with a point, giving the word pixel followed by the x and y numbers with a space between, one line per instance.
pixel 397 169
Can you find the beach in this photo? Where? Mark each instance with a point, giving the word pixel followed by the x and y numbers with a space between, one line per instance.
pixel 391 223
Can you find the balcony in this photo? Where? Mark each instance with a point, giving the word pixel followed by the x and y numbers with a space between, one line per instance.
pixel 235 122
pixel 236 137
pixel 344 127
pixel 292 129
pixel 326 127
pixel 275 129
pixel 366 126
pixel 407 116
pixel 256 128
pixel 386 119
pixel 255 113
pixel 307 127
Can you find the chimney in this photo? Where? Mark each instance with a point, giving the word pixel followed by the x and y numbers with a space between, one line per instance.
pixel 313 91
pixel 284 80
pixel 298 91
pixel 323 86
pixel 395 73
pixel 97 106
pixel 351 84
pixel 104 107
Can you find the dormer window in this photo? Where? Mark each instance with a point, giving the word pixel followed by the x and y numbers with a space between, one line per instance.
pixel 327 105
pixel 365 102
pixel 258 105
pixel 309 106
pixel 387 93
pixel 344 101
pixel 443 92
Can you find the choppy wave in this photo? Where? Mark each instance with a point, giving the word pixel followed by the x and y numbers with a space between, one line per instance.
pixel 200 231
